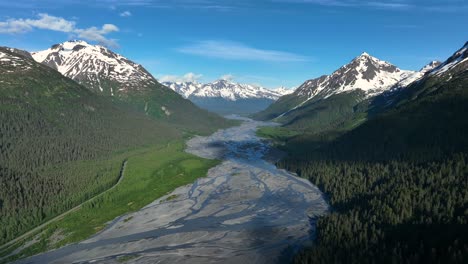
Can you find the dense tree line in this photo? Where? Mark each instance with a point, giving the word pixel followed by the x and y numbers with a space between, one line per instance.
pixel 50 166
pixel 395 212
pixel 397 184
pixel 60 144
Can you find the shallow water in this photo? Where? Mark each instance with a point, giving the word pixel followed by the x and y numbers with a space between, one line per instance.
pixel 245 210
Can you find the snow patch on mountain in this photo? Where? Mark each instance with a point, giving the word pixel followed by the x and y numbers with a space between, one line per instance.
pixel 93 65
pixel 431 66
pixel 13 62
pixel 461 56
pixel 225 89
pixel 366 73
pixel 416 76
pixel 284 91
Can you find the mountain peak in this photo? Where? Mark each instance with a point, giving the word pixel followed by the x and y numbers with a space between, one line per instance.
pixel 222 81
pixel 460 57
pixel 284 90
pixel 13 60
pixel 69 45
pixel 430 66
pixel 96 67
pixel 365 72
pixel 365 54
pixel 366 57
pixel 223 88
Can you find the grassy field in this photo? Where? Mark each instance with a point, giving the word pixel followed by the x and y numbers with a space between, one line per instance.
pixel 150 173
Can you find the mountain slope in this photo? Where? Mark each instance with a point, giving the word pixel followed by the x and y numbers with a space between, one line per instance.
pixel 226 97
pixel 397 182
pixel 109 74
pixel 341 99
pixel 426 117
pixel 97 68
pixel 59 142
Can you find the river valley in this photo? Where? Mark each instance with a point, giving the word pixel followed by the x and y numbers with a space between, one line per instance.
pixel 245 211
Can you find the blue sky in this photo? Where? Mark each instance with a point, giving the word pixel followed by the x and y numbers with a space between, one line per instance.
pixel 269 42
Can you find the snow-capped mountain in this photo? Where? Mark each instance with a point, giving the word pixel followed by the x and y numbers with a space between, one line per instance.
pixel 20 52
pixel 96 67
pixel 366 73
pixel 363 78
pixel 459 58
pixel 110 74
pixel 435 76
pixel 284 91
pixel 429 67
pixel 223 89
pixel 414 76
pixel 227 97
pixel 12 61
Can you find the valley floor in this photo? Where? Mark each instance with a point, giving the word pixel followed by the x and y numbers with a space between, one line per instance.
pixel 150 174
pixel 244 210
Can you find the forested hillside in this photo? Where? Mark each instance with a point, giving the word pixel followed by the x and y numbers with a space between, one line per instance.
pixel 60 143
pixel 127 83
pixel 390 211
pixel 341 100
pixel 398 183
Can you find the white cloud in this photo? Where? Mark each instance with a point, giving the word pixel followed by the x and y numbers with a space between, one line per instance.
pixel 97 34
pixel 14 26
pixel 44 21
pixel 188 77
pixel 238 51
pixel 48 22
pixel 126 14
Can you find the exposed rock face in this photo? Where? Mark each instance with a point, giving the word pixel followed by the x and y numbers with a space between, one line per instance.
pixel 365 72
pixel 97 68
pixel 224 89
pixel 227 97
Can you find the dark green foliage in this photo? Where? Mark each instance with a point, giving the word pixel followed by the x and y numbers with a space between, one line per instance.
pixel 163 104
pixel 339 111
pixel 283 104
pixel 398 183
pixel 60 144
pixel 392 212
pixel 342 111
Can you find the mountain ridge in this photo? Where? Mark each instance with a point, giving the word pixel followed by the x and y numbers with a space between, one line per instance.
pixel 96 67
pixel 225 89
pixel 112 75
pixel 50 125
pixel 227 97
pixel 361 79
pixel 364 72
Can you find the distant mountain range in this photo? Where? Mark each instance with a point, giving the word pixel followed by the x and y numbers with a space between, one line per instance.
pixel 227 97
